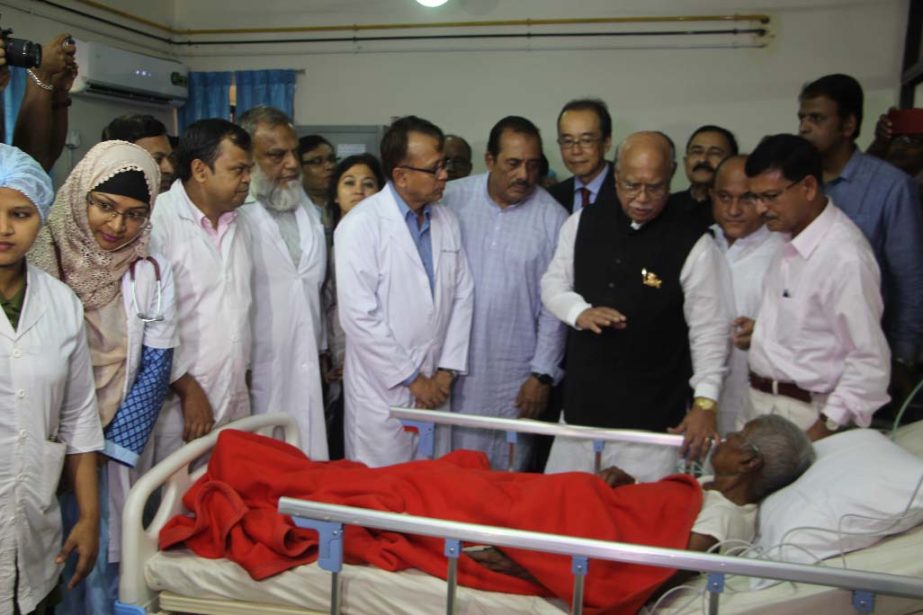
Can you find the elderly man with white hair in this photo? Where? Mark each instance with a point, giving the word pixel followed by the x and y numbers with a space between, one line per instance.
pixel 290 262
pixel 643 294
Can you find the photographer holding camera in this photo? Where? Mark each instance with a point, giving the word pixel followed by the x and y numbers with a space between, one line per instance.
pixel 41 126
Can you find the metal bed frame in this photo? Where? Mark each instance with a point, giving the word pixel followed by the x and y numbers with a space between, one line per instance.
pixel 328 521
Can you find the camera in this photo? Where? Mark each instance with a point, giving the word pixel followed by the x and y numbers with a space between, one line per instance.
pixel 19 51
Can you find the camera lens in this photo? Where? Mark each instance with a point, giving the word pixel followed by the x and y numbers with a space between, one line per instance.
pixel 23 53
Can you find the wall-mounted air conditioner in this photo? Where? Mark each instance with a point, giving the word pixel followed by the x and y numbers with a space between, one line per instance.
pixel 115 73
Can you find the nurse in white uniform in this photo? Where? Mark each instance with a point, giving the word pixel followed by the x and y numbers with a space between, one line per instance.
pixel 96 241
pixel 48 414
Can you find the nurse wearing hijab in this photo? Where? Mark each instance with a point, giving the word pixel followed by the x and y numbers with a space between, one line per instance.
pixel 96 241
pixel 48 413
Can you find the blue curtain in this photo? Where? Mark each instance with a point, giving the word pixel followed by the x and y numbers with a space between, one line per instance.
pixel 275 88
pixel 209 96
pixel 12 100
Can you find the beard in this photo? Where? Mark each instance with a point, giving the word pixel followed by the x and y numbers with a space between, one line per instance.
pixel 278 197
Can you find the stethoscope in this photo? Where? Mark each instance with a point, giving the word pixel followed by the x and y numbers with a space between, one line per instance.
pixel 145 318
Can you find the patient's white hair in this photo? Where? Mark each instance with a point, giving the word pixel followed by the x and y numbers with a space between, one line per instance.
pixel 786 451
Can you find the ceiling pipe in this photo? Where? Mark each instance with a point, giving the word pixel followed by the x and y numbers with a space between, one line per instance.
pixel 504 23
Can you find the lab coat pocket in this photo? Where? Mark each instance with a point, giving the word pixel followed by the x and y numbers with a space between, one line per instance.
pixel 449 255
pixel 447 267
pixel 52 465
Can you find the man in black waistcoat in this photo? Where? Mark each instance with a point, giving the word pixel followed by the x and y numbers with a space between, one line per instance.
pixel 646 294
pixel 706 148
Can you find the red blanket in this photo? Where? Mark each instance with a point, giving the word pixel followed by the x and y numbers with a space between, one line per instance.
pixel 234 516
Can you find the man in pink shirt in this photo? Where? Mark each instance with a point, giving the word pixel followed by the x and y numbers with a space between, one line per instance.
pixel 818 355
pixel 195 227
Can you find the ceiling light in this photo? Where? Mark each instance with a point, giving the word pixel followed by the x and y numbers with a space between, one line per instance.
pixel 432 3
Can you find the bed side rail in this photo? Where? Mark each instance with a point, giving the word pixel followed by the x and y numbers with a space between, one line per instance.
pixel 173 473
pixel 862 584
pixel 425 421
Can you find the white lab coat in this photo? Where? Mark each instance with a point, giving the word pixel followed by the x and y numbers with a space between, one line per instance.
pixel 288 323
pixel 47 409
pixel 157 334
pixel 213 297
pixel 394 324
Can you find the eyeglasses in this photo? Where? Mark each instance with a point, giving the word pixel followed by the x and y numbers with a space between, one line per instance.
pixel 434 170
pixel 753 447
pixel 769 198
pixel 583 142
pixel 319 160
pixel 726 198
pixel 633 189
pixel 132 216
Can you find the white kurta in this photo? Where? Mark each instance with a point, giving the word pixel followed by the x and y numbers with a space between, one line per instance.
pixel 47 410
pixel 748 259
pixel 394 323
pixel 288 322
pixel 512 334
pixel 213 296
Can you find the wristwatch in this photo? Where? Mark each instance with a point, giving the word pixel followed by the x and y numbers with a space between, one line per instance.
pixel 542 378
pixel 450 372
pixel 704 403
pixel 829 423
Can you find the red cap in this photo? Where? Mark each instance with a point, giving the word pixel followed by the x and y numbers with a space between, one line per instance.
pixel 906 121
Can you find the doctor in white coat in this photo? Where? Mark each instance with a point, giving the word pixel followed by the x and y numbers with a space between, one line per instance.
pixel 289 265
pixel 195 228
pixel 405 296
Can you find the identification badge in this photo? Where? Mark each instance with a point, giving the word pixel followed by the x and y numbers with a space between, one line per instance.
pixel 649 278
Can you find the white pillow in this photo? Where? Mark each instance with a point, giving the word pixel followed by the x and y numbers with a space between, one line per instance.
pixel 857 472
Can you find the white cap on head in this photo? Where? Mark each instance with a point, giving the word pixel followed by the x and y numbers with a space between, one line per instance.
pixel 20 172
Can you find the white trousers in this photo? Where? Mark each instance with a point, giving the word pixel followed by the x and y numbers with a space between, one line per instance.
pixel 645 462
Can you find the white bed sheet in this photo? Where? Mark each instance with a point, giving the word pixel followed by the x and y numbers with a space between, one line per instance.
pixel 369 590
pixel 895 555
pixel 365 590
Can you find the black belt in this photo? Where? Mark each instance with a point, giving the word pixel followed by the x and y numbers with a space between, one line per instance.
pixel 789 389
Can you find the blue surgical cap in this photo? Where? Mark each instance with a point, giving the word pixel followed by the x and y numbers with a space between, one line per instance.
pixel 19 171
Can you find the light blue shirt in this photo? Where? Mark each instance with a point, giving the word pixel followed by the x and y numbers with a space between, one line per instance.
pixel 884 203
pixel 420 234
pixel 594 187
pixel 424 243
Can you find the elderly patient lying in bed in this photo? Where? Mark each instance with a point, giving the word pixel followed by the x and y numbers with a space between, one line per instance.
pixel 234 513
pixel 768 454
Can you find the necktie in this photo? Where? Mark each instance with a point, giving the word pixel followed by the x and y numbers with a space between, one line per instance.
pixel 584 196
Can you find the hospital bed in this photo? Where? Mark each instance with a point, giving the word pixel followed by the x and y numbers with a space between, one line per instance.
pixel 885 578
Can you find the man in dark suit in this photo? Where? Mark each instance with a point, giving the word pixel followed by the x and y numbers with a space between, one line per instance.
pixel 584 136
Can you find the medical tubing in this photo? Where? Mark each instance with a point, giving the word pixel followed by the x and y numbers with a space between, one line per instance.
pixel 765 553
pixel 697 591
pixel 904 406
pixel 742 547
